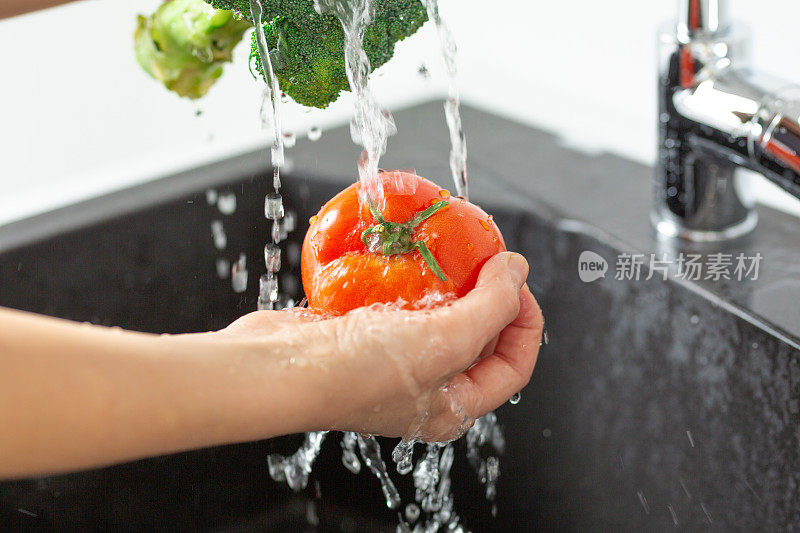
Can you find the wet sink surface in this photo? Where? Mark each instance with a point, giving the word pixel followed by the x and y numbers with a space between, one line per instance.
pixel 653 405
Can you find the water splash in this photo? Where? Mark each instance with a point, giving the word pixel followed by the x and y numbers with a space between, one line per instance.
pixel 486 432
pixel 452 106
pixel 349 457
pixel 403 456
pixel 371 454
pixel 296 468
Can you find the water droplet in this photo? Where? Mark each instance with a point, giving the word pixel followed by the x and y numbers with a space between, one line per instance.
pixel 226 203
pixel 223 268
pixel 289 221
pixel 218 234
pixel 272 257
pixel 239 274
pixel 312 220
pixel 694 320
pixel 444 193
pixel 289 139
pixel 470 247
pixel 547 433
pixel 314 133
pixel 672 514
pixel 276 231
pixel 273 206
pixel 412 512
pixel 514 400
pixel 403 455
pixel 211 196
pixel 484 224
pixel 643 501
pixel 312 517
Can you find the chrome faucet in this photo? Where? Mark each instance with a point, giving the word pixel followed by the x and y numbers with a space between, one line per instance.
pixel 716 116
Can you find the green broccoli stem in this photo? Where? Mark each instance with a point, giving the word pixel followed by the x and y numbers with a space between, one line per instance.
pixel 394 238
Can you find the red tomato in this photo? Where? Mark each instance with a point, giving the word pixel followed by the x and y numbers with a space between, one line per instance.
pixel 341 273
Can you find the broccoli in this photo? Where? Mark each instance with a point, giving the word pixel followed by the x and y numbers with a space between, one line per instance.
pixel 307 49
pixel 185 44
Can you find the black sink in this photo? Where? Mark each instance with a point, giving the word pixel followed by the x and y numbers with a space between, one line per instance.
pixel 655 405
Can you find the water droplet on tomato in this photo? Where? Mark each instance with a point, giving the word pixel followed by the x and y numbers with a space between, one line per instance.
pixel 313 220
pixel 470 247
pixel 444 193
pixel 327 237
pixel 484 224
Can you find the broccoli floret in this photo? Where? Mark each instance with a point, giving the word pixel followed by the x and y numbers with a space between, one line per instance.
pixel 185 44
pixel 307 49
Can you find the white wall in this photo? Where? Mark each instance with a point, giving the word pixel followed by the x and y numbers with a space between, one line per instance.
pixel 78 117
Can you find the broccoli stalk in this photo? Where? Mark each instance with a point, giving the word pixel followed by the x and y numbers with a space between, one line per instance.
pixel 185 44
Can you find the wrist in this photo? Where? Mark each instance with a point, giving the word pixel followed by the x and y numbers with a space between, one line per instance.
pixel 257 387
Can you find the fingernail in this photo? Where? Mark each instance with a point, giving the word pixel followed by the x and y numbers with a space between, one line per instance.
pixel 519 267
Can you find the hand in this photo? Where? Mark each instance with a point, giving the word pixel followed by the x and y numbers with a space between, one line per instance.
pixel 418 374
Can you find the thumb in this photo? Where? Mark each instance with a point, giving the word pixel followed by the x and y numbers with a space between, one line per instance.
pixel 493 304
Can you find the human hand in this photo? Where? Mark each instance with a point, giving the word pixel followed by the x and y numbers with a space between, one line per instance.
pixel 424 374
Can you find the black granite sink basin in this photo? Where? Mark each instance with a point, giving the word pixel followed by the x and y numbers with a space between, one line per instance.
pixel 656 404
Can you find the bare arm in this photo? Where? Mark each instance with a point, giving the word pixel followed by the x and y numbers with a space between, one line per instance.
pixel 76 396
pixel 12 8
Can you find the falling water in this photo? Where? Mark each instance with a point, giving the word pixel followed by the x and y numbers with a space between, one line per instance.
pixel 371 454
pixel 452 110
pixel 273 203
pixel 371 125
pixel 296 468
pixel 272 93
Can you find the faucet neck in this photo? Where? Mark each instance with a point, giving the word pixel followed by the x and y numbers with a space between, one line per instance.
pixel 702 18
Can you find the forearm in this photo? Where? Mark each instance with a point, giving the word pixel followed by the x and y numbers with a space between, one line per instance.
pixel 76 396
pixel 11 8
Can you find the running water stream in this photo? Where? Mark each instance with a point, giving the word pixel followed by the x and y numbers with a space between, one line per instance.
pixel 452 106
pixel 371 127
pixel 273 203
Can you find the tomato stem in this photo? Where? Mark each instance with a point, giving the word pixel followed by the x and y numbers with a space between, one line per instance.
pixel 395 237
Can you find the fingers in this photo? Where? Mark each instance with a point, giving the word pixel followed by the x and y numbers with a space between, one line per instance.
pixel 494 379
pixel 474 320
